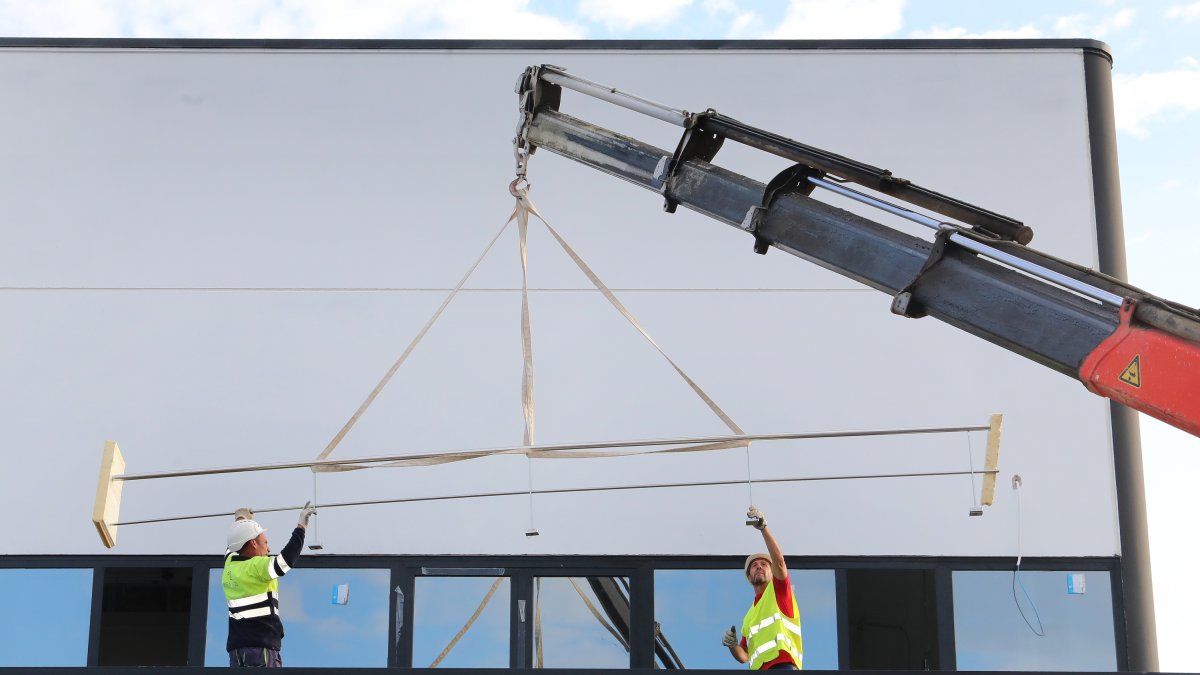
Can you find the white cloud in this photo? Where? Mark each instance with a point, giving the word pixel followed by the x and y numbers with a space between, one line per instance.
pixel 742 24
pixel 839 19
pixel 1082 25
pixel 627 14
pixel 746 25
pixel 1188 12
pixel 347 19
pixel 1139 98
pixel 959 33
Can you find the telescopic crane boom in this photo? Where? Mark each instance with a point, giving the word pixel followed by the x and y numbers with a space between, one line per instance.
pixel 977 274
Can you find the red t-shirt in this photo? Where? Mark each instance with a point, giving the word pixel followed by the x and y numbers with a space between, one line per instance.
pixel 783 598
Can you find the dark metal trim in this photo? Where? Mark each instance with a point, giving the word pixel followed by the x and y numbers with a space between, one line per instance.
pixel 1118 610
pixel 1089 46
pixel 943 596
pixel 842 605
pixel 97 611
pixel 400 653
pixel 641 617
pixel 198 615
pixel 520 642
pixel 1138 622
pixel 545 565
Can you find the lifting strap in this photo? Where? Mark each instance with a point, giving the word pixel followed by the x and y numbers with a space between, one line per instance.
pixel 467 625
pixel 521 212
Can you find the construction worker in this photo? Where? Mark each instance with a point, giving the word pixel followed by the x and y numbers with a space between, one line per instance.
pixel 771 629
pixel 251 584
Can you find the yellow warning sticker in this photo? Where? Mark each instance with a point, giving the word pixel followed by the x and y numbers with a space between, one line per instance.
pixel 1132 375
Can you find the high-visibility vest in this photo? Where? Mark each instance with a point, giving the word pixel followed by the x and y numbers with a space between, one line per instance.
pixel 768 631
pixel 251 585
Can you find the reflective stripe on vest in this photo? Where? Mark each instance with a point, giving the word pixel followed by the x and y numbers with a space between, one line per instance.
pixel 768 631
pixel 251 585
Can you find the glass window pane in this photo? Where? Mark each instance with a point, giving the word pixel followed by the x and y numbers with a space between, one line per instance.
pixel 991 633
pixel 694 608
pixel 46 615
pixel 444 606
pixel 318 632
pixel 571 634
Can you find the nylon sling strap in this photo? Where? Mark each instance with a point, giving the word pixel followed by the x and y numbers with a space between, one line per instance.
pixel 467 625
pixel 521 212
pixel 333 443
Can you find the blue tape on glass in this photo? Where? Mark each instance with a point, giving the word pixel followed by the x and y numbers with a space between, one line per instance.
pixel 341 594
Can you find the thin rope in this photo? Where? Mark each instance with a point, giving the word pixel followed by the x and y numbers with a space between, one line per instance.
pixel 333 443
pixel 971 464
pixel 316 543
pixel 1040 631
pixel 553 491
pixel 467 625
pixel 749 483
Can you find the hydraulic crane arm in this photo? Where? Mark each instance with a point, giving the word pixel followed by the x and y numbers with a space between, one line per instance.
pixel 1119 341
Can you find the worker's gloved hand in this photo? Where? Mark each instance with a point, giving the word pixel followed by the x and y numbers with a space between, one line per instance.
pixel 305 513
pixel 755 518
pixel 244 513
pixel 730 638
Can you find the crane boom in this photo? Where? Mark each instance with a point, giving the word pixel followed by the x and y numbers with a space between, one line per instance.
pixel 976 275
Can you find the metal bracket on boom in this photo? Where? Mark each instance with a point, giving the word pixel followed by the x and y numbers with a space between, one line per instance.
pixel 533 94
pixel 902 303
pixel 694 144
pixel 792 180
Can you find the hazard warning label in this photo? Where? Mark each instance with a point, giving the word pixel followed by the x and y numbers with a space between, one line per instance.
pixel 1132 375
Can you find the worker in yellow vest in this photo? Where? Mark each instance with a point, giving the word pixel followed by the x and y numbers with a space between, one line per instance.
pixel 251 584
pixel 771 629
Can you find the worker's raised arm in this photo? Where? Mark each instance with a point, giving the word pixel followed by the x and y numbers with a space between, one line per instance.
pixel 756 518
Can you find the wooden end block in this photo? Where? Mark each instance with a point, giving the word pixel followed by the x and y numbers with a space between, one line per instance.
pixel 108 494
pixel 991 462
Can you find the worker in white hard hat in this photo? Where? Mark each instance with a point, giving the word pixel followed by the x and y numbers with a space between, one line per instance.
pixel 251 584
pixel 771 629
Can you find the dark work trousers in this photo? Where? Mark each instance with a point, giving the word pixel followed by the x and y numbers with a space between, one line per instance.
pixel 254 657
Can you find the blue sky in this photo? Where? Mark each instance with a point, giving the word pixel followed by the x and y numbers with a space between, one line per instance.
pixel 1157 97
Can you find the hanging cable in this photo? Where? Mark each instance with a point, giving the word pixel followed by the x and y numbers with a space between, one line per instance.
pixel 749 482
pixel 1039 631
pixel 316 544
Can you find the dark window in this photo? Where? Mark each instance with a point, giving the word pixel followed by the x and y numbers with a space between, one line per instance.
pixel 144 616
pixel 892 620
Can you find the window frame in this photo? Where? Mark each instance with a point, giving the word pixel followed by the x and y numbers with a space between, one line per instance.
pixel 522 569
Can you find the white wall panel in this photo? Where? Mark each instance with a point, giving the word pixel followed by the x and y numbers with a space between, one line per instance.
pixel 199 169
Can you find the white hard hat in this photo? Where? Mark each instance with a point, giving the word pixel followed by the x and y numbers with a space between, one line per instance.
pixel 750 559
pixel 241 532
